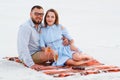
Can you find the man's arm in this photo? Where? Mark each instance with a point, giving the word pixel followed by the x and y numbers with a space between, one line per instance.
pixel 65 41
pixel 66 36
pixel 23 42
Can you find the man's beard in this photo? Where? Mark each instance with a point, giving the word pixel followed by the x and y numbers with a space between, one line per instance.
pixel 36 22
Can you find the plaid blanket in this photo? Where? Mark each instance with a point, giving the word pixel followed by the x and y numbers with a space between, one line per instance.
pixel 90 67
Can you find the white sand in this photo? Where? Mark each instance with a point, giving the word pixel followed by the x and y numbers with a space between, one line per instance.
pixel 94 24
pixel 15 71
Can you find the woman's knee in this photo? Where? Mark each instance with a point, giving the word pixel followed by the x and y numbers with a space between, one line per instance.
pixel 76 56
pixel 71 62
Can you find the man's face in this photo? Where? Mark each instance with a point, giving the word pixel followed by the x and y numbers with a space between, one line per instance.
pixel 37 15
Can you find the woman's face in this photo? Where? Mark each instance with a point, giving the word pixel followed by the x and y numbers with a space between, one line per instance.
pixel 50 18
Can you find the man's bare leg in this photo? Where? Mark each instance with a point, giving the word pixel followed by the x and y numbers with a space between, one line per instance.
pixel 40 57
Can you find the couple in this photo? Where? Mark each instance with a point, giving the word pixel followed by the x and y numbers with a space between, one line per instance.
pixel 33 37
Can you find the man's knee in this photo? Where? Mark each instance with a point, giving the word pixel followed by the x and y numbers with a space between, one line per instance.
pixel 38 57
pixel 41 58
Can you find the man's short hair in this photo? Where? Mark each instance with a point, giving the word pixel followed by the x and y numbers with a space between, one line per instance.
pixel 36 6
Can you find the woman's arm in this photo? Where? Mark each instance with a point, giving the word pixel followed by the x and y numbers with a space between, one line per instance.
pixel 65 33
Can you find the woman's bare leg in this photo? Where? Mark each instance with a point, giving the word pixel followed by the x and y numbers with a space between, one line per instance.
pixel 71 62
pixel 77 56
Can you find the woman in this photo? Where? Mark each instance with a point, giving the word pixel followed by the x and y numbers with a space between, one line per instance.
pixel 51 35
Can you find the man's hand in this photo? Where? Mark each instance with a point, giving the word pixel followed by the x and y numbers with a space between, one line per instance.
pixel 36 67
pixel 65 41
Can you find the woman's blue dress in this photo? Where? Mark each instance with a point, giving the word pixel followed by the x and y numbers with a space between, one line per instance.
pixel 52 36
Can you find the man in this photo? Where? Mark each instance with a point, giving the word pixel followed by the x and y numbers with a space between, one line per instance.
pixel 28 40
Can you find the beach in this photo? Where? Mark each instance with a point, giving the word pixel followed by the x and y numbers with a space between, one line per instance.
pixel 94 25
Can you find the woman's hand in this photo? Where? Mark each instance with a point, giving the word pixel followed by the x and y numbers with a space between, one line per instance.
pixel 49 51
